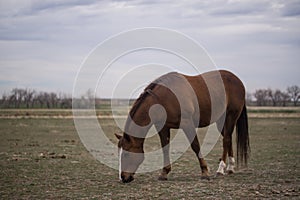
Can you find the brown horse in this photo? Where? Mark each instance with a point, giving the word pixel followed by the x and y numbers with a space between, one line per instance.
pixel 188 102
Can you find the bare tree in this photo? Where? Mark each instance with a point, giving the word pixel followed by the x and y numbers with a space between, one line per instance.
pixel 4 101
pixel 261 96
pixel 66 103
pixel 47 99
pixel 13 99
pixel 276 96
pixel 28 97
pixel 53 99
pixel 41 99
pixel 65 100
pixel 294 92
pixel 285 98
pixel 89 98
pixel 17 97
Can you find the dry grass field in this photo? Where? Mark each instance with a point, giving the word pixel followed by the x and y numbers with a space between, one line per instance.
pixel 43 158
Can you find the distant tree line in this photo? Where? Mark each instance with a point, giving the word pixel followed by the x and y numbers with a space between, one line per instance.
pixel 29 98
pixel 271 97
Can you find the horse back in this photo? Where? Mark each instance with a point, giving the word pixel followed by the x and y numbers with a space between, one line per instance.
pixel 213 93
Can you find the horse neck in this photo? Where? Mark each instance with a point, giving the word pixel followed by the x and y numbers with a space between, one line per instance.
pixel 138 125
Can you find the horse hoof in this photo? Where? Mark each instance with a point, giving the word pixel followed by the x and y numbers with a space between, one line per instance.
pixel 206 177
pixel 218 174
pixel 162 178
pixel 230 172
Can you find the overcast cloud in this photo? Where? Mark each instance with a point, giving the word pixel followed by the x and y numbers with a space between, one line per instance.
pixel 43 43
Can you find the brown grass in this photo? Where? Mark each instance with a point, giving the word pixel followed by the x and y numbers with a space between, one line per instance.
pixel 44 159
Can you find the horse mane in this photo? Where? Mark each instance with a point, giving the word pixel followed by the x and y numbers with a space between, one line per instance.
pixel 137 104
pixel 148 91
pixel 140 99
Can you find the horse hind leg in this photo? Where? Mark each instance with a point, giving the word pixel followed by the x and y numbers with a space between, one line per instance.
pixel 231 161
pixel 227 148
pixel 193 139
pixel 203 165
pixel 164 135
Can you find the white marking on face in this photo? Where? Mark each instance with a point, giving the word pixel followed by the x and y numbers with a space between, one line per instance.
pixel 120 167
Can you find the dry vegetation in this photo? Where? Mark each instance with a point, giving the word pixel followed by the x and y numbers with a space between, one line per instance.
pixel 44 159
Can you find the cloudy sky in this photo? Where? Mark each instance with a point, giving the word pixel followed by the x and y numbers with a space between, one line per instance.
pixel 44 43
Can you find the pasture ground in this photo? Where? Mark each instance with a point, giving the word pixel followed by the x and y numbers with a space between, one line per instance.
pixel 44 159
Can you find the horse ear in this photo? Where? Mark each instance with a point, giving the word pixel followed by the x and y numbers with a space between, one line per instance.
pixel 118 136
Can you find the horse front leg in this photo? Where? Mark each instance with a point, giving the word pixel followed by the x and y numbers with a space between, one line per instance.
pixel 164 135
pixel 191 134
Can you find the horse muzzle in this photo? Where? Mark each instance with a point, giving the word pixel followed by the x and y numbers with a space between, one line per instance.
pixel 127 178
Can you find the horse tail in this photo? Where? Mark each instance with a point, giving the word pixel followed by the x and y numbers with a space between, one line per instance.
pixel 242 138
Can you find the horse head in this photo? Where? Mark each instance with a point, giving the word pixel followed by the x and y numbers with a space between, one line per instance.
pixel 131 155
